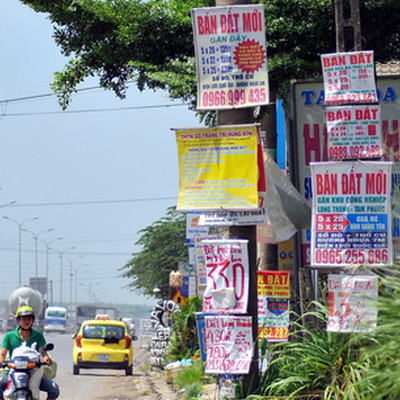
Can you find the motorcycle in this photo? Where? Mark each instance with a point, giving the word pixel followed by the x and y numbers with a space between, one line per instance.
pixel 25 373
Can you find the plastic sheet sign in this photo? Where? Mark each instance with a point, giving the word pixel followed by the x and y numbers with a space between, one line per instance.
pixel 349 78
pixel 354 132
pixel 219 168
pixel 231 57
pixel 229 344
pixel 351 220
pixel 227 267
pixel 352 303
pixel 273 283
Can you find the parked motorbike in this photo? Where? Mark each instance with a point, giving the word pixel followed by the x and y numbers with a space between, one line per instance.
pixel 25 373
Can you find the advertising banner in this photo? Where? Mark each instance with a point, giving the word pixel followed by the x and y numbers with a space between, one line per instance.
pixel 354 132
pixel 219 168
pixel 231 58
pixel 227 268
pixel 352 303
pixel 273 305
pixel 312 144
pixel 351 213
pixel 229 344
pixel 273 319
pixel 273 283
pixel 349 77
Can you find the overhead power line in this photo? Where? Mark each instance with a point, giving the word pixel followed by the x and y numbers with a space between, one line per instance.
pixel 74 203
pixel 45 95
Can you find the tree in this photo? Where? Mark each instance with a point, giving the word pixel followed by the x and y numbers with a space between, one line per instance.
pixel 151 42
pixel 163 248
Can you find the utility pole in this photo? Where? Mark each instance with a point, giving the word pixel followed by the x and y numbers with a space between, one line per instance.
pixel 233 117
pixel 348 26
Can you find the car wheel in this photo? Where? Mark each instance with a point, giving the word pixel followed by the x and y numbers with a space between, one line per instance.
pixel 75 370
pixel 128 370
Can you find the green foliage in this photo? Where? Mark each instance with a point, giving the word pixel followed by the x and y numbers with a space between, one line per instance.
pixel 163 248
pixel 184 342
pixel 315 363
pixel 383 350
pixel 151 42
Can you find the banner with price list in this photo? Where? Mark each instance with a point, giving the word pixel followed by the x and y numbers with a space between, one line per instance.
pixel 231 58
pixel 354 132
pixel 349 78
pixel 351 213
pixel 352 303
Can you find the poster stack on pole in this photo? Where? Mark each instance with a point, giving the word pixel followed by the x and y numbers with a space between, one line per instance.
pixel 351 219
pixel 222 171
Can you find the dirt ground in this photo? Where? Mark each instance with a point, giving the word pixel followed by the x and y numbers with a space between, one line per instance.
pixel 146 383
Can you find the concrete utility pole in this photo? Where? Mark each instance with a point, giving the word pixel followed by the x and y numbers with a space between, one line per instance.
pixel 236 117
pixel 348 27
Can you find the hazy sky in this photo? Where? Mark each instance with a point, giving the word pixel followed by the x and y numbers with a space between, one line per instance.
pixel 76 170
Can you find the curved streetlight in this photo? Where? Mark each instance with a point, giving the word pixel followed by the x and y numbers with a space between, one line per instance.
pixel 61 253
pixel 47 264
pixel 20 224
pixel 36 237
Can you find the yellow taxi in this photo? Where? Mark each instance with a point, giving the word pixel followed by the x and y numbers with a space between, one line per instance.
pixel 102 343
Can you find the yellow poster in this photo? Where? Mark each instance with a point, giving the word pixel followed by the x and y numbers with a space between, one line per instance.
pixel 218 168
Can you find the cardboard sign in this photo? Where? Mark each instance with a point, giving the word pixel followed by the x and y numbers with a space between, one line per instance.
pixel 227 267
pixel 349 78
pixel 231 58
pixel 229 344
pixel 352 303
pixel 351 221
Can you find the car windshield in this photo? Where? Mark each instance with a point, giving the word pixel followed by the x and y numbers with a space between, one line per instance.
pixel 103 331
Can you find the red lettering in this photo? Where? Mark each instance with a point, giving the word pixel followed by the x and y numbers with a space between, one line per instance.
pixel 391 146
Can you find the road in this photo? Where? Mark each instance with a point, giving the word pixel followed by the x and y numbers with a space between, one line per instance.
pixel 94 384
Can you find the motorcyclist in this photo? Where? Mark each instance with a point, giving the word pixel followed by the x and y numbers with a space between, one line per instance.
pixel 25 333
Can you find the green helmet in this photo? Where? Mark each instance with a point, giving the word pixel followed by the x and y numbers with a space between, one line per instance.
pixel 24 311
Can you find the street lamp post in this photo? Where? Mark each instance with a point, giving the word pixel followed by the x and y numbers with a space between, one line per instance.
pixel 20 224
pixel 70 277
pixel 47 262
pixel 76 282
pixel 36 237
pixel 61 253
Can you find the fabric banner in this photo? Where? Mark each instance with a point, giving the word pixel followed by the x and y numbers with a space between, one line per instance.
pixel 227 268
pixel 219 168
pixel 352 303
pixel 349 77
pixel 229 344
pixel 351 222
pixel 231 58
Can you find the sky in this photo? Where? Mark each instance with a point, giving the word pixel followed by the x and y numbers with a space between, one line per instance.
pixel 93 178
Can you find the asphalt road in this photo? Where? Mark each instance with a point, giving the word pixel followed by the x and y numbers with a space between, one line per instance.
pixel 91 384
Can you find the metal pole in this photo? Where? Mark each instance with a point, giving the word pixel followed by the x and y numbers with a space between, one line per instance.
pixel 20 224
